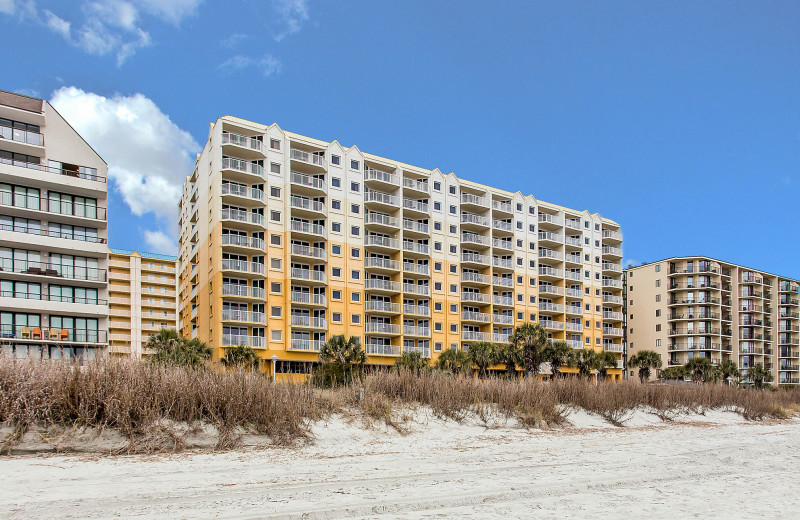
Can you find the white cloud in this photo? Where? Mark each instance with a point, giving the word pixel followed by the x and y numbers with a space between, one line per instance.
pixel 56 24
pixel 7 7
pixel 22 8
pixel 233 40
pixel 292 14
pixel 267 64
pixel 630 261
pixel 172 11
pixel 159 242
pixel 148 155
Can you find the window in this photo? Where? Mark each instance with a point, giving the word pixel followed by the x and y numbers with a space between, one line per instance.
pixel 437 226
pixel 437 347
pixel 355 208
pixel 437 266
pixel 275 216
pixel 588 341
pixel 532 282
pixel 275 168
pixel 437 246
pixel 453 288
pixel 336 227
pixel 658 327
pixel 437 306
pixel 454 308
pixel 336 294
pixel 437 206
pixel 658 269
pixel 453 327
pixel 336 161
pixel 658 298
pixel 437 286
pixel 453 268
pixel 336 204
pixel 336 249
pixel 519 278
pixel 275 144
pixel 453 230
pixel 437 186
pixel 276 311
pixel 355 274
pixel 355 319
pixel 276 335
pixel 453 210
pixel 597 227
pixel 355 230
pixel 336 317
pixel 519 298
pixel 275 240
pixel 596 243
pixel 355 165
pixel 533 299
pixel 658 313
pixel 437 327
pixel 336 272
pixel 531 228
pixel 355 297
pixel 519 316
pixel 275 191
pixel 658 343
pixel 452 190
pixel 658 283
pixel 336 182
pixel 453 249
pixel 586 241
pixel 519 225
pixel 532 263
pixel 355 252
pixel 354 186
pixel 519 261
pixel 275 287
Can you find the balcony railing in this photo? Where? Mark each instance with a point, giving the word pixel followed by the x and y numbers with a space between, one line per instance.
pixel 243 291
pixel 307 345
pixel 242 140
pixel 608 315
pixel 468 335
pixel 242 241
pixel 550 219
pixel 239 165
pixel 501 338
pixel 422 290
pixel 505 281
pixel 308 298
pixel 608 266
pixel 551 237
pixel 415 205
pixel 506 301
pixel 502 205
pixel 549 253
pixel 550 289
pixel 506 263
pixel 381 241
pixel 469 198
pixel 46 231
pixel 381 306
pixel 299 320
pixel 313 252
pixel 416 184
pixel 382 219
pixel 422 269
pixel 414 247
pixel 612 235
pixel 381 328
pixel 476 258
pixel 502 243
pixel 471 218
pixel 52 334
pixel 612 251
pixel 59 271
pixel 612 331
pixel 502 224
pixel 475 316
pixel 410 330
pixel 57 207
pixel 418 310
pixel 552 307
pixel 242 216
pixel 243 316
pixel 475 297
pixel 551 324
pixel 237 340
pixel 309 181
pixel 371 174
pixel 308 274
pixel 243 266
pixel 305 227
pixel 550 271
pixel 419 227
pixel 307 157
pixel 21 136
pixel 475 277
pixel 379 196
pixel 505 319
pixel 383 285
pixel 379 349
pixel 308 205
pixel 382 263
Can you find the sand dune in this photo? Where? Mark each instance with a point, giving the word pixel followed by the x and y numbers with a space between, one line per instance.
pixel 706 466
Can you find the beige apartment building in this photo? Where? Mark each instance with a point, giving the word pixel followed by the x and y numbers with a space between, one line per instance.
pixel 286 240
pixel 685 307
pixel 142 289
pixel 53 235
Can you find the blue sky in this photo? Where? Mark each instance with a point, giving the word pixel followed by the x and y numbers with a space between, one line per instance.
pixel 680 120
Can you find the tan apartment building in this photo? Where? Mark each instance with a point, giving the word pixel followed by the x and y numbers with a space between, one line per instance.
pixel 684 307
pixel 53 235
pixel 286 240
pixel 142 298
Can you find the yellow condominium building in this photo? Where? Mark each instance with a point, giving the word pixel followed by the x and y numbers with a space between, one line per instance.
pixel 142 299
pixel 696 306
pixel 53 236
pixel 286 240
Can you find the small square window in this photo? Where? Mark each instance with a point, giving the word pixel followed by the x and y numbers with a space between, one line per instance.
pixel 336 249
pixel 437 206
pixel 519 279
pixel 519 261
pixel 597 227
pixel 452 190
pixel 336 294
pixel 519 316
pixel 275 168
pixel 586 241
pixel 453 268
pixel 336 317
pixel 437 347
pixel 453 210
pixel 519 298
pixel 453 230
pixel 336 227
pixel 453 249
pixel 453 327
pixel 437 306
pixel 355 319
pixel 453 288
pixel 437 286
pixel 275 263
pixel 276 335
pixel 437 266
pixel 336 204
pixel 336 272
pixel 533 299
pixel 531 210
pixel 355 165
pixel 437 246
pixel 519 225
pixel 531 228
pixel 275 216
pixel 355 230
pixel 355 252
pixel 355 274
pixel 437 226
pixel 533 317
pixel 275 240
pixel 454 308
pixel 355 208
pixel 532 264
pixel 276 311
pixel 437 186
pixel 355 297
pixel 336 161
pixel 336 182
pixel 275 287
pixel 275 191
pixel 532 282
pixel 275 144
pixel 437 327
pixel 355 186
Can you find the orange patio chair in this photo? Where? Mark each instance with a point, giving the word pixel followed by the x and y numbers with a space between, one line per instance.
pixel 64 335
pixel 25 333
pixel 37 333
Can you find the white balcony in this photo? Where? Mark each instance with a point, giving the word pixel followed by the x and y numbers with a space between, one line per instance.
pixel 378 349
pixel 243 291
pixel 545 218
pixel 468 335
pixel 506 301
pixel 305 204
pixel 409 330
pixel 472 238
pixel 612 235
pixel 416 184
pixel 610 347
pixel 307 251
pixel 551 307
pixel 380 197
pixel 551 324
pixel 551 272
pixel 414 247
pixel 382 263
pixel 242 166
pixel 608 266
pixel 505 281
pixel 482 317
pixel 307 228
pixel 501 338
pixel 502 205
pixel 476 297
pixel 308 274
pixel 243 316
pixel 308 322
pixel 422 290
pixel 371 174
pixel 612 251
pixel 550 254
pixel 417 310
pixel 242 241
pixel 612 331
pixel 574 327
pixel 471 218
pixel 610 315
pixel 307 158
pixel 235 340
pixel 505 263
pixel 500 243
pixel 546 236
pixel 474 258
pixel 242 191
pixel 381 328
pixel 382 219
pixel 418 227
pixel 615 284
pixel 612 299
pixel 308 298
pixel 243 141
pixel 409 267
pixel 308 181
pixel 306 345
pixel 381 306
pixel 476 278
pixel 382 285
pixel 242 216
pixel 573 343
pixel 505 319
pixel 381 241
pixel 242 266
pixel 475 200
pixel 551 289
pixel 415 205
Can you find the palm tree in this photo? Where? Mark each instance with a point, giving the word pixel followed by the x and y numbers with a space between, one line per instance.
pixel 455 361
pixel 700 368
pixel 605 360
pixel 241 357
pixel 509 355
pixel 730 370
pixel 646 360
pixel 482 354
pixel 339 356
pixel 531 338
pixel 557 353
pixel 585 360
pixel 758 374
pixel 678 372
pixel 171 349
pixel 412 361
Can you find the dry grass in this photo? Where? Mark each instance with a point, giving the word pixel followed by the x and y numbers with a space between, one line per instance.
pixel 145 402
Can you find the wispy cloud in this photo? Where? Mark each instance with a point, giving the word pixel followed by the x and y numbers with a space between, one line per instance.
pixel 630 261
pixel 291 15
pixel 159 242
pixel 233 40
pixel 102 27
pixel 266 65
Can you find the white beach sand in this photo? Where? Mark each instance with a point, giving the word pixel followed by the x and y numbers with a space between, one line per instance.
pixel 711 466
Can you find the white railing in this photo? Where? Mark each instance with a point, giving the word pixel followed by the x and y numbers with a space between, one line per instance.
pixel 502 205
pixel 505 281
pixel 468 198
pixel 416 184
pixel 476 258
pixel 410 330
pixel 410 267
pixel 378 349
pixel 308 274
pixel 501 338
pixel 468 335
pixel 505 319
pixel 550 219
pixel 385 285
pixel 242 216
pixel 473 238
pixel 551 324
pixel 310 181
pixel 415 205
pixel 381 328
pixel 573 223
pixel 242 140
pixel 552 237
pixel 379 196
pixel 236 340
pixel 608 282
pixel 573 275
pixel 308 204
pixel 306 227
pixel 574 343
pixel 308 298
pixel 383 219
pixel 471 218
pixel 422 290
pixel 475 277
pixel 607 298
pixel 610 347
pixel 309 321
pixel 502 243
pixel 613 235
pixel 610 315
pixel 502 224
pixel 608 266
pixel 573 309
pixel 573 293
pixel 307 157
pixel 381 306
pixel 575 327
pixel 419 310
pixel 475 316
pixel 612 251
pixel 549 253
pixel 242 265
pixel 238 240
pixel 549 271
pixel 414 247
pixel 508 301
pixel 239 165
pixel 572 241
pixel 245 316
pixel 612 331
pixel 419 227
pixel 242 290
pixel 381 241
pixel 551 289
pixel 553 307
pixel 313 252
pixel 382 263
pixel 423 351
pixel 476 297
pixel 308 345
pixel 371 174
